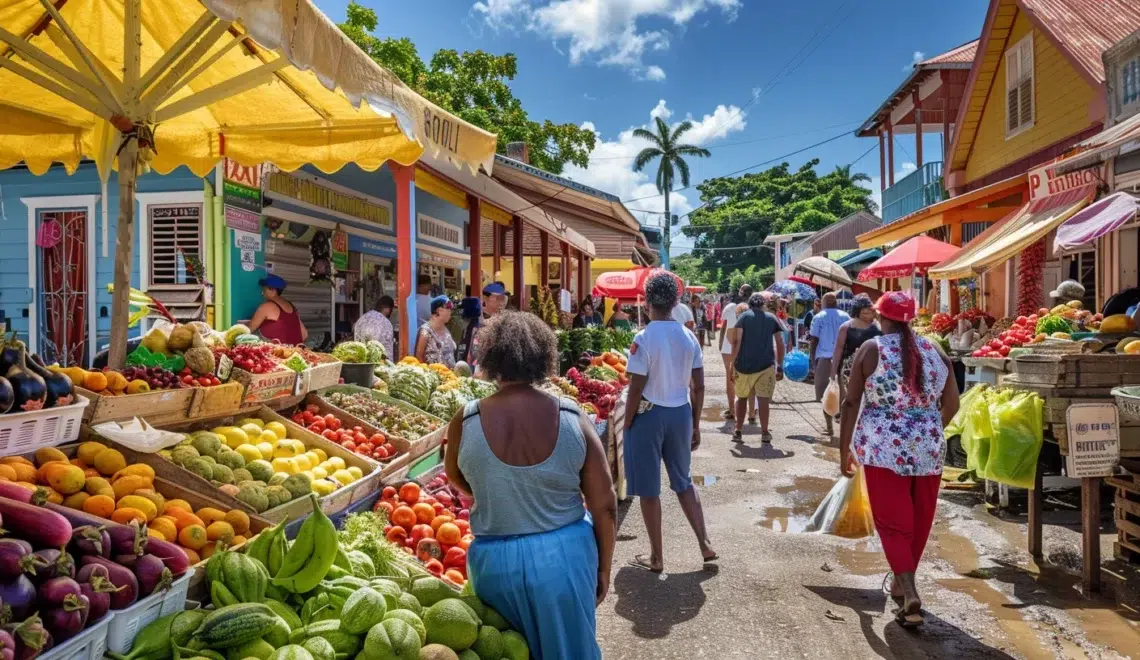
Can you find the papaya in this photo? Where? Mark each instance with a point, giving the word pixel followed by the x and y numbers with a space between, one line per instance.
pixel 1117 323
pixel 64 477
pixel 138 469
pixel 128 485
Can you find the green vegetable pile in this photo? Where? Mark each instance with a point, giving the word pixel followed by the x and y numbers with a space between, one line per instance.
pixel 453 395
pixel 353 352
pixel 1051 323
pixel 412 384
pixel 328 595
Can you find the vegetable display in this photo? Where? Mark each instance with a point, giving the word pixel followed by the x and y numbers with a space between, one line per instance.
pixel 376 446
pixel 390 419
pixel 601 395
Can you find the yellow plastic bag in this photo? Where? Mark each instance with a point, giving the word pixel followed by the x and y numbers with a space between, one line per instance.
pixel 846 511
pixel 831 398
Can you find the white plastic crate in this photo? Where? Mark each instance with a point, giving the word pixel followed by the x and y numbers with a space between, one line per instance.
pixel 23 432
pixel 87 645
pixel 127 623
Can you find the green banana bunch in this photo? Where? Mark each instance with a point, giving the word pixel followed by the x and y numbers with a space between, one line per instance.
pixel 278 548
pixel 258 548
pixel 312 554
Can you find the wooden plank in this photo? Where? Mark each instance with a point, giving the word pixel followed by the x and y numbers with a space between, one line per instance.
pixel 1035 509
pixel 1123 484
pixel 1124 506
pixel 1090 533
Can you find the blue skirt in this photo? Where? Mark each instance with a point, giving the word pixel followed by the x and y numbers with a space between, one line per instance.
pixel 545 585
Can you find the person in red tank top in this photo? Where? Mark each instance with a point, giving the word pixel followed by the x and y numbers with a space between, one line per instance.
pixel 277 318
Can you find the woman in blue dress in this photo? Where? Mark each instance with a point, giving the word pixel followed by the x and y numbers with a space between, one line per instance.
pixel 545 514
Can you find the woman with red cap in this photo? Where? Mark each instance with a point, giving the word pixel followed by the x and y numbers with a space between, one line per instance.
pixel 901 381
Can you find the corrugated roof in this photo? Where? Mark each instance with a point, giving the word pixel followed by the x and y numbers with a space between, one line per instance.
pixel 962 54
pixel 1086 28
pixel 841 234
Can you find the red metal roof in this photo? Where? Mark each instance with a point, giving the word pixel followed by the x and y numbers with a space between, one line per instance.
pixel 1086 28
pixel 963 54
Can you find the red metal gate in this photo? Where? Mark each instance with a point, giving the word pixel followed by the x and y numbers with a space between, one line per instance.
pixel 64 289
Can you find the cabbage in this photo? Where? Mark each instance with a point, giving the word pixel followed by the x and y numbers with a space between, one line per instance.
pixel 375 351
pixel 350 351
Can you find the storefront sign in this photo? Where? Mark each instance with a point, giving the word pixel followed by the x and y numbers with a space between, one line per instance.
pixel 427 256
pixel 314 194
pixel 1094 439
pixel 246 241
pixel 369 246
pixel 340 250
pixel 439 231
pixel 1045 181
pixel 241 196
pixel 241 219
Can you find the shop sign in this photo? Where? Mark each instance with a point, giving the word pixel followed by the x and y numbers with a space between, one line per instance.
pixel 1046 182
pixel 241 195
pixel 340 250
pixel 369 246
pixel 436 259
pixel 249 244
pixel 439 231
pixel 314 194
pixel 1094 439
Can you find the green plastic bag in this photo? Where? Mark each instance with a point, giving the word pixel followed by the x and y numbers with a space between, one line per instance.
pixel 976 431
pixel 958 423
pixel 1018 434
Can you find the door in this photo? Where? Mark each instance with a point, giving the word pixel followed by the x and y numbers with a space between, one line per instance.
pixel 61 244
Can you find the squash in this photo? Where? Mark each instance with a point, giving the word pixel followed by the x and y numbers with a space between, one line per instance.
pixel 1117 323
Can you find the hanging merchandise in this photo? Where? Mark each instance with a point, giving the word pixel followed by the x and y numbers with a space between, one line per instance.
pixel 1030 278
pixel 320 264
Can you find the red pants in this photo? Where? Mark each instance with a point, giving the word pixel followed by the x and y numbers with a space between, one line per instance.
pixel 903 508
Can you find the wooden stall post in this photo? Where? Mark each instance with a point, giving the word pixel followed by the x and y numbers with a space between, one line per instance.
pixel 1090 532
pixel 405 178
pixel 565 267
pixel 474 227
pixel 1035 510
pixel 544 259
pixel 496 251
pixel 519 270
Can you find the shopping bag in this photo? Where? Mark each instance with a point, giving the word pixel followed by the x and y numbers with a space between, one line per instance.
pixel 846 511
pixel 1018 433
pixel 138 435
pixel 958 422
pixel 831 398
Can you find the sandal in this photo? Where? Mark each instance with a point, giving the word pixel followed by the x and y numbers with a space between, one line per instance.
pixel 752 421
pixel 766 438
pixel 644 562
pixel 912 620
pixel 737 436
pixel 729 415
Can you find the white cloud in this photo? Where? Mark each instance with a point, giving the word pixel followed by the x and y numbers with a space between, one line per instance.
pixel 609 32
pixel 611 163
pixel 915 57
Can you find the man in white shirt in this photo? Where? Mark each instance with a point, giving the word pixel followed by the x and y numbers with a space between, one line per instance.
pixel 662 422
pixel 683 315
pixel 423 300
pixel 728 322
pixel 823 335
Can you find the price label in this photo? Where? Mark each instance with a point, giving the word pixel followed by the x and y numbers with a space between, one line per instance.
pixel 298 384
pixel 1094 439
pixel 224 369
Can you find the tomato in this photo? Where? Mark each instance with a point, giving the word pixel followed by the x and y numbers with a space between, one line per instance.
pixel 308 416
pixel 204 381
pixel 995 344
pixel 329 419
pixel 377 439
pixel 188 379
pixel 388 493
pixel 297 419
pixel 329 434
pixel 359 437
pixel 366 448
pixel 1021 320
pixel 357 429
pixel 349 445
pixel 1004 351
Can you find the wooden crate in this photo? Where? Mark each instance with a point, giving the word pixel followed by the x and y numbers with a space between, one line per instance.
pixel 218 400
pixel 1077 371
pixel 259 388
pixel 401 444
pixel 320 376
pixel 153 404
pixel 1126 515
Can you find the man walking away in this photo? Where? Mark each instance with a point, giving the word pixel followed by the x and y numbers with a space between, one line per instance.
pixel 728 322
pixel 666 394
pixel 757 353
pixel 824 332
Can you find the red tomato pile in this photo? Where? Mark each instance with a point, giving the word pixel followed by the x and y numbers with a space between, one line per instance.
pixel 429 526
pixel 942 323
pixel 1019 334
pixel 376 446
pixel 188 379
pixel 254 358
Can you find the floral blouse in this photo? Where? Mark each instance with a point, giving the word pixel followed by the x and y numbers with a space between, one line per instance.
pixel 440 348
pixel 898 430
pixel 375 326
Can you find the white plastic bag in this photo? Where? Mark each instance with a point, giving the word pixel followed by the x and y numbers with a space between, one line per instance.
pixel 831 398
pixel 136 434
pixel 845 511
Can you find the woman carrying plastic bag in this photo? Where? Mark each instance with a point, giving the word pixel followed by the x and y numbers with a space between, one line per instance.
pixel 902 382
pixel 845 511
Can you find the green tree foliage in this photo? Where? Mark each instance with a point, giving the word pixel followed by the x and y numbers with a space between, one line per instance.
pixel 742 211
pixel 474 86
pixel 671 166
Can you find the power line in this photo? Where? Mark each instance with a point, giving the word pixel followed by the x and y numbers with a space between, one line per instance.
pixel 742 142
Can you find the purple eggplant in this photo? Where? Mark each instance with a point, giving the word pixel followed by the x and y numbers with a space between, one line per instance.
pixel 16 558
pixel 58 564
pixel 31 638
pixel 98 592
pixel 7 644
pixel 91 540
pixel 120 577
pixel 126 560
pixel 153 575
pixel 127 539
pixel 30 390
pixel 88 571
pixel 55 591
pixel 19 595
pixel 67 620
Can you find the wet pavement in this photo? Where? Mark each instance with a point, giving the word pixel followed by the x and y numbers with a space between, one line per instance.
pixel 778 592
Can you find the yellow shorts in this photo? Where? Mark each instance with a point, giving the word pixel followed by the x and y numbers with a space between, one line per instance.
pixel 761 384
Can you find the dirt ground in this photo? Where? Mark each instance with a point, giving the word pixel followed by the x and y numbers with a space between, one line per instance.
pixel 777 592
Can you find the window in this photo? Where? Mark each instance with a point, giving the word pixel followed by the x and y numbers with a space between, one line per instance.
pixel 175 232
pixel 1019 87
pixel 1130 82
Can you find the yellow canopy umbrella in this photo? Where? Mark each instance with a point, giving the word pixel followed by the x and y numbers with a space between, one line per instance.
pixel 167 83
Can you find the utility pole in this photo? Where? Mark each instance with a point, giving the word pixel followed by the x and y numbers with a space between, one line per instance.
pixel 666 239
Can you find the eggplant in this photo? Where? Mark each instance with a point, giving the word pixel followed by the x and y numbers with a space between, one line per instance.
pixel 152 574
pixel 127 539
pixel 10 352
pixel 119 576
pixel 91 540
pixel 7 399
pixel 98 591
pixel 67 620
pixel 59 564
pixel 16 559
pixel 55 592
pixel 171 555
pixel 126 560
pixel 31 638
pixel 30 390
pixel 19 596
pixel 59 389
pixel 89 571
pixel 7 646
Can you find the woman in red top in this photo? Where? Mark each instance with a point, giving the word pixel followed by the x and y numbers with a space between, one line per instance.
pixel 277 318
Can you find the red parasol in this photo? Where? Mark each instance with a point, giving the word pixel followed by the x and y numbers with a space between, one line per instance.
pixel 915 256
pixel 628 285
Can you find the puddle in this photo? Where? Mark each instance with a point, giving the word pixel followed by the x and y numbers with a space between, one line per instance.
pixel 864 558
pixel 806 492
pixel 713 414
pixel 704 480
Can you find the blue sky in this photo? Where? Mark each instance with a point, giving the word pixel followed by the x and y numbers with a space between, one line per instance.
pixel 612 64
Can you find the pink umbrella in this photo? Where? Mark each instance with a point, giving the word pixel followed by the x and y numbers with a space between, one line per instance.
pixel 917 255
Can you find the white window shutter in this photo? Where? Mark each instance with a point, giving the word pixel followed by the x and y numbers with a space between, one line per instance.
pixel 173 228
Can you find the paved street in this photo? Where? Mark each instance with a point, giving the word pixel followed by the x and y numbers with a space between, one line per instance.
pixel 777 593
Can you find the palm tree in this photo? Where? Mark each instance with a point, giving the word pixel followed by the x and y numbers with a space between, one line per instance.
pixel 666 147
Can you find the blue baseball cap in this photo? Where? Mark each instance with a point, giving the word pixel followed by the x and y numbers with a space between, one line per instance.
pixel 273 282
pixel 441 301
pixel 495 289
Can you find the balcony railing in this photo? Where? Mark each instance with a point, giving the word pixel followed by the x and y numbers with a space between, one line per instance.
pixel 915 191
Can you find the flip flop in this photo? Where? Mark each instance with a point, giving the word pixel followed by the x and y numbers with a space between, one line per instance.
pixel 737 436
pixel 709 560
pixel 766 438
pixel 752 421
pixel 643 562
pixel 911 619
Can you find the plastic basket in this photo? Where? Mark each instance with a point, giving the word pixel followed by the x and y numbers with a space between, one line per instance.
pixel 22 432
pixel 87 645
pixel 126 624
pixel 1128 402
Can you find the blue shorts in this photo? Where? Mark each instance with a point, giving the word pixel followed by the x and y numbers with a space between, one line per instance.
pixel 659 434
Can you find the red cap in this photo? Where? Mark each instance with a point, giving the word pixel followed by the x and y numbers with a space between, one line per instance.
pixel 896 306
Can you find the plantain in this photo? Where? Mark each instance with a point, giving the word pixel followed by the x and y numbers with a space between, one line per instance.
pixel 299 553
pixel 258 548
pixel 278 548
pixel 318 561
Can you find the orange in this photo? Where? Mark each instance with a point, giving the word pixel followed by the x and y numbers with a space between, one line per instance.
pixel 127 514
pixel 410 493
pixel 165 526
pixel 100 505
pixel 448 534
pixel 238 520
pixel 193 537
pixel 425 513
pixel 184 519
pixel 220 531
pixel 439 520
pixel 403 516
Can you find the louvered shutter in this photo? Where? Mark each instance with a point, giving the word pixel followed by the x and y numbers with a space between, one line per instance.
pixel 174 229
pixel 1012 75
pixel 1025 86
